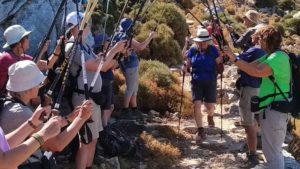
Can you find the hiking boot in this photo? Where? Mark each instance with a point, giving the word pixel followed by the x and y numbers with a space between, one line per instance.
pixel 252 161
pixel 210 120
pixel 200 136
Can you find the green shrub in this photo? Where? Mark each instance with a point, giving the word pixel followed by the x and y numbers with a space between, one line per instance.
pixel 286 4
pixel 159 89
pixel 163 48
pixel 172 16
pixel 293 25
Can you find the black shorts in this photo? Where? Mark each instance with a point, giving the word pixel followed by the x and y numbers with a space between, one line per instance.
pixel 204 90
pixel 108 92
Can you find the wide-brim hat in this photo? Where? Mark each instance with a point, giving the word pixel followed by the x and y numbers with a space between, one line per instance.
pixel 252 16
pixel 14 34
pixel 24 75
pixel 202 35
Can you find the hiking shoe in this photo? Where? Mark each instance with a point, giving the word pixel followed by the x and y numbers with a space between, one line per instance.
pixel 251 162
pixel 200 136
pixel 210 120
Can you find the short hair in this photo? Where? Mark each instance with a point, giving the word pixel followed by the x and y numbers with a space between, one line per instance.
pixel 272 36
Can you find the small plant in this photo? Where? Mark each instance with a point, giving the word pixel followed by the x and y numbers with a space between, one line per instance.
pixel 286 4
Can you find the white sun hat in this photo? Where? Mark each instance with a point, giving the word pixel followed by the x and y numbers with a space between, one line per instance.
pixel 73 19
pixel 23 75
pixel 202 35
pixel 14 34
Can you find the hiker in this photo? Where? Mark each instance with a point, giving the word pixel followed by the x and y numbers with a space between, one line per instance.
pixel 20 144
pixel 85 154
pixel 203 59
pixel 252 22
pixel 248 87
pixel 274 67
pixel 16 109
pixel 130 67
pixel 17 43
pixel 107 107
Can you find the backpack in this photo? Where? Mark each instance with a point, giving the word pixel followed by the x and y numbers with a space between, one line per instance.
pixel 292 105
pixel 116 143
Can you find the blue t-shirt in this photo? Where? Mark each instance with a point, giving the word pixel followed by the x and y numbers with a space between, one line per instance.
pixel 130 61
pixel 203 64
pixel 251 55
pixel 108 75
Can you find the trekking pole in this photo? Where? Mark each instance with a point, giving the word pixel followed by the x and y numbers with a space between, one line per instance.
pixel 63 55
pixel 106 51
pixel 37 55
pixel 188 11
pixel 181 101
pixel 105 23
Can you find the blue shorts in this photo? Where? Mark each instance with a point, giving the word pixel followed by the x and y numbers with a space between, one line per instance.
pixel 204 90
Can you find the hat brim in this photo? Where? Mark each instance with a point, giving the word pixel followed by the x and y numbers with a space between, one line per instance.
pixel 251 20
pixel 16 87
pixel 6 45
pixel 201 39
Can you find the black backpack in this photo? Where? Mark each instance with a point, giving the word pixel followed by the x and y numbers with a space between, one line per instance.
pixel 293 105
pixel 116 142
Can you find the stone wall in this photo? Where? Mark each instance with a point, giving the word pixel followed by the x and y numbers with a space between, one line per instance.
pixel 33 15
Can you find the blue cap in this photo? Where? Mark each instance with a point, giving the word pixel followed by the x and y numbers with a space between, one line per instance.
pixel 100 40
pixel 125 24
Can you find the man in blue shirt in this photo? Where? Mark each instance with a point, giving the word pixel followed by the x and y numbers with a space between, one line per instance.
pixel 249 86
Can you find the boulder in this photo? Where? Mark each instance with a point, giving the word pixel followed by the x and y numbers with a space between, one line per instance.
pixel 35 16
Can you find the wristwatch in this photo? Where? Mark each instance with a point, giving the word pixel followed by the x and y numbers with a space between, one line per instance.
pixel 236 59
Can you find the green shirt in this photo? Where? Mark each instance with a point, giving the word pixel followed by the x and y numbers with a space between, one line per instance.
pixel 280 65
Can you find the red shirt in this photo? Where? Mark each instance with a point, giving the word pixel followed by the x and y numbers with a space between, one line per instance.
pixel 7 59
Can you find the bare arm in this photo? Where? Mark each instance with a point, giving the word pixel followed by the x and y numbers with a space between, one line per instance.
pixel 253 69
pixel 59 142
pixel 141 46
pixel 15 156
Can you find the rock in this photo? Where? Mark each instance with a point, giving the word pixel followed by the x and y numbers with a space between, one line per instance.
pixel 108 163
pixel 35 16
pixel 297 15
pixel 154 113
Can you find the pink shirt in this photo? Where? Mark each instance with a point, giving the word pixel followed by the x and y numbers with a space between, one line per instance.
pixel 3 142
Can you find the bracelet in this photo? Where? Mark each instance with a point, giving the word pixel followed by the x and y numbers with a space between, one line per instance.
pixel 55 54
pixel 38 138
pixel 67 119
pixel 31 124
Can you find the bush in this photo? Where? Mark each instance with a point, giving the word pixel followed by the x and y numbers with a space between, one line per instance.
pixel 172 16
pixel 286 4
pixel 159 89
pixel 292 25
pixel 164 48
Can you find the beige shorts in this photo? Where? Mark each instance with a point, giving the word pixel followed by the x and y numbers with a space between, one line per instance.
pixel 96 125
pixel 247 117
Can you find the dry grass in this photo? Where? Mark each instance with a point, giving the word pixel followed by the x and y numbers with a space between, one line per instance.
pixel 162 155
pixel 170 132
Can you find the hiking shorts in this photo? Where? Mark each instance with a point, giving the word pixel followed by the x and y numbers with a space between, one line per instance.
pixel 204 90
pixel 96 125
pixel 108 91
pixel 132 81
pixel 247 117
